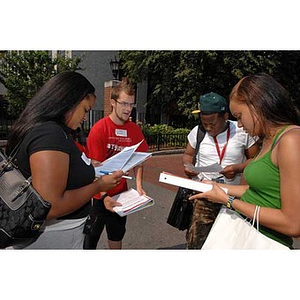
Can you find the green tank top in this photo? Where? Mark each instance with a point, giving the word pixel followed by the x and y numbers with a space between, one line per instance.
pixel 264 189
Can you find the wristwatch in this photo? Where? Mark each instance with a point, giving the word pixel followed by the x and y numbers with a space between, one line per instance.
pixel 229 202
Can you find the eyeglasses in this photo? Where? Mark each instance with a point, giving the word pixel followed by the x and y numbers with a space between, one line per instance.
pixel 126 104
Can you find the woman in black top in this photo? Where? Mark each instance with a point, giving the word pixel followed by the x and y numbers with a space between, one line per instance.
pixel 48 153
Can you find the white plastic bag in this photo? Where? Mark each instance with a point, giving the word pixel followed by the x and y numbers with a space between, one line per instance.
pixel 231 231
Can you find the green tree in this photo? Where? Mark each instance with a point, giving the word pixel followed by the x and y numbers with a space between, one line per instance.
pixel 176 79
pixel 24 72
pixel 158 68
pixel 200 72
pixel 288 73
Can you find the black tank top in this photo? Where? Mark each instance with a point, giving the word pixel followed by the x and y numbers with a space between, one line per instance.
pixel 54 136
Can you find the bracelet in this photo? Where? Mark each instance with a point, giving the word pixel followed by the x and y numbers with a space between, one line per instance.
pixel 103 196
pixel 229 202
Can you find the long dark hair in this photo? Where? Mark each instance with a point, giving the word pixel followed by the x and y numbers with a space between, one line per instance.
pixel 55 98
pixel 266 98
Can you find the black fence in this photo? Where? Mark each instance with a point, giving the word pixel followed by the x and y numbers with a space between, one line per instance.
pixel 6 124
pixel 5 127
pixel 166 141
pixel 156 142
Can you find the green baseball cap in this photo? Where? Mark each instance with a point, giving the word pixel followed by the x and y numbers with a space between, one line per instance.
pixel 213 103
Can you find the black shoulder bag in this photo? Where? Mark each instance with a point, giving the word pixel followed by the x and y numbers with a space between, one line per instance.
pixel 22 210
pixel 182 209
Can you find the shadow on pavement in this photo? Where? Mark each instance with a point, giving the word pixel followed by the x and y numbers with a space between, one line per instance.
pixel 148 229
pixel 180 246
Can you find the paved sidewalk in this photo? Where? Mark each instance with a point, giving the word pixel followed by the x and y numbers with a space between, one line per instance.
pixel 158 163
pixel 147 229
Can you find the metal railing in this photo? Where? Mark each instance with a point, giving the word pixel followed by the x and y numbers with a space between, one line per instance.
pixel 6 124
pixel 156 142
pixel 5 127
pixel 166 141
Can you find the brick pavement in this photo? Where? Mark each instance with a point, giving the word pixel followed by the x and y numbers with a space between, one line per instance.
pixel 148 229
pixel 171 163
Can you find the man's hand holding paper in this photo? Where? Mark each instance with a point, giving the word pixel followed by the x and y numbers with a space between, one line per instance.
pixel 229 171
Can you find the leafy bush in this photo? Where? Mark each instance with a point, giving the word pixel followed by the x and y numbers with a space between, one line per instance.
pixel 163 129
pixel 165 136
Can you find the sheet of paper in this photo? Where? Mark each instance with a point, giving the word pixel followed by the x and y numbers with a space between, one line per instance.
pixel 117 161
pixel 185 182
pixel 136 159
pixel 211 168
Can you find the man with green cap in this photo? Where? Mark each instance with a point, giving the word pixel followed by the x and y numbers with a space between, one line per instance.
pixel 224 145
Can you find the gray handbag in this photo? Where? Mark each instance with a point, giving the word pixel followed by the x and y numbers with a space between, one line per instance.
pixel 22 210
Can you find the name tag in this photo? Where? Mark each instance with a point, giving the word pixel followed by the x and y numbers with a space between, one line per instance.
pixel 121 132
pixel 85 159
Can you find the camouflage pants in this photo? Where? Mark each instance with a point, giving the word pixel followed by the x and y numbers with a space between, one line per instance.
pixel 204 215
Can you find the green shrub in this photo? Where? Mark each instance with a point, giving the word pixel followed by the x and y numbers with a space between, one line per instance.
pixel 165 136
pixel 163 129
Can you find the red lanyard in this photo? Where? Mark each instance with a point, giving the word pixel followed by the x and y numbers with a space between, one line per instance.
pixel 221 155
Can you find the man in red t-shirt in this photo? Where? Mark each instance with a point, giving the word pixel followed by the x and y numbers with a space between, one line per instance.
pixel 106 138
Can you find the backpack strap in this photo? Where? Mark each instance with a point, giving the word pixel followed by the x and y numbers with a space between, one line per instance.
pixel 200 136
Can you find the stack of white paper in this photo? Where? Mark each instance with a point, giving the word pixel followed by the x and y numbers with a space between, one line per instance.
pixel 131 202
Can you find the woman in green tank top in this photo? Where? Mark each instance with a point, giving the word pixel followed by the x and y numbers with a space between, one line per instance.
pixel 264 109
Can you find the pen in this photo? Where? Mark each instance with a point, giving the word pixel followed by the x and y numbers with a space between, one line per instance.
pixel 105 172
pixel 124 176
pixel 128 177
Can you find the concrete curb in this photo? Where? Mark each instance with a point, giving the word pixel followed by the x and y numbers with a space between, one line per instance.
pixel 163 152
pixel 167 152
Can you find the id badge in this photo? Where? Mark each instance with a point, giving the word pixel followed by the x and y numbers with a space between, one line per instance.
pixel 121 132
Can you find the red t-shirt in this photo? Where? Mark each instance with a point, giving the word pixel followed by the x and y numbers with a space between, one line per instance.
pixel 106 139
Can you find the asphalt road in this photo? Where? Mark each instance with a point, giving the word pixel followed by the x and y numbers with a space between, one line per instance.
pixel 147 229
